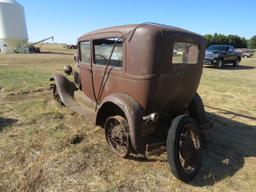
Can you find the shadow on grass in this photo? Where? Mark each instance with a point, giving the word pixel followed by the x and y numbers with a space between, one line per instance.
pixel 6 123
pixel 232 113
pixel 230 67
pixel 227 144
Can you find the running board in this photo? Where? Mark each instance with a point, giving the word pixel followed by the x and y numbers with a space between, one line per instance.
pixel 83 106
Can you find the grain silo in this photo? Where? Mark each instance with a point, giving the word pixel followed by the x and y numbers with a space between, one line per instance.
pixel 13 29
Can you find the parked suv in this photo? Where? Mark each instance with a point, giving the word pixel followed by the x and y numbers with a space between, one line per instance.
pixel 219 55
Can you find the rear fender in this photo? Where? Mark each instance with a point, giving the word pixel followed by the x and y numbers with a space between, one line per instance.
pixel 65 89
pixel 196 110
pixel 133 113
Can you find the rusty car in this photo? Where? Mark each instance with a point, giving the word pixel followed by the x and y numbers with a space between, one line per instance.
pixel 143 94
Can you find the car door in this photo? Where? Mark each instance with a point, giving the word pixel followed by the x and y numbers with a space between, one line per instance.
pixel 85 68
pixel 107 64
pixel 225 54
pixel 232 54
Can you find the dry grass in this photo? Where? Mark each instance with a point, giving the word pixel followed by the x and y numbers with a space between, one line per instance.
pixel 36 153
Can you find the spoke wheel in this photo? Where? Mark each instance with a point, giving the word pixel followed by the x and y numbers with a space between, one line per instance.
pixel 117 135
pixel 56 95
pixel 184 148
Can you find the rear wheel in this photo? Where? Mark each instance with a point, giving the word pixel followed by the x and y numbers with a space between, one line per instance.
pixel 184 148
pixel 118 136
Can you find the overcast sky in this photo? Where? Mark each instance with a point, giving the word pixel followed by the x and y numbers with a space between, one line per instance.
pixel 66 20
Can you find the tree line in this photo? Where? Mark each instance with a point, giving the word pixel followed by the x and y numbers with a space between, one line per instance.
pixel 235 40
pixel 252 42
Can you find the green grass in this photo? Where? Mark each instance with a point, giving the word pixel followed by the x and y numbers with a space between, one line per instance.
pixel 21 79
pixel 230 88
pixel 31 72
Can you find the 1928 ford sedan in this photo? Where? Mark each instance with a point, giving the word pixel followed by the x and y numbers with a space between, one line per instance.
pixel 143 81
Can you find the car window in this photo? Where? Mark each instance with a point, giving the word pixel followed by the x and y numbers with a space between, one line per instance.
pixel 103 49
pixel 85 56
pixel 231 49
pixel 185 53
pixel 216 48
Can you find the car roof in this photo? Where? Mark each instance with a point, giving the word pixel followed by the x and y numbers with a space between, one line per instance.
pixel 223 45
pixel 125 29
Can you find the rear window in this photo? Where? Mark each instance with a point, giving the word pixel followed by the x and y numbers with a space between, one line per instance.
pixel 103 49
pixel 85 55
pixel 185 53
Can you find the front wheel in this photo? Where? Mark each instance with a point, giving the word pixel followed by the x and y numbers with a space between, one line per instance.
pixel 220 64
pixel 184 148
pixel 56 95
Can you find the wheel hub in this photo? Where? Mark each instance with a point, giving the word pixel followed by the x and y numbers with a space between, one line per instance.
pixel 189 148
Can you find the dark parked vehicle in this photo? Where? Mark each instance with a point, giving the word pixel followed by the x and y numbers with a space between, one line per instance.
pixel 145 96
pixel 219 55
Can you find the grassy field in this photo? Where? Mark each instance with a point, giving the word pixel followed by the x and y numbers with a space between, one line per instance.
pixel 37 154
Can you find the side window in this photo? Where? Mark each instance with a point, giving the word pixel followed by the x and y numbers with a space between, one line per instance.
pixel 102 51
pixel 231 49
pixel 185 53
pixel 85 55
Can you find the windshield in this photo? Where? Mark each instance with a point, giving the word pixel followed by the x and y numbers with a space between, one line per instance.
pixel 216 48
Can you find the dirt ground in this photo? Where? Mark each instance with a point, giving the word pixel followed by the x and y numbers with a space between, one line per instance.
pixel 37 152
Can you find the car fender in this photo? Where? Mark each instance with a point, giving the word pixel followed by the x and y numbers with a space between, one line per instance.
pixel 133 112
pixel 65 89
pixel 196 110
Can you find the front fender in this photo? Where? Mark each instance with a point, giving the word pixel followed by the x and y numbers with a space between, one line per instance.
pixel 65 89
pixel 133 113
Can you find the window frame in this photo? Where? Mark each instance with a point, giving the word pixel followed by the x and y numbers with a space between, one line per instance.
pixel 123 52
pixel 80 55
pixel 231 49
pixel 185 41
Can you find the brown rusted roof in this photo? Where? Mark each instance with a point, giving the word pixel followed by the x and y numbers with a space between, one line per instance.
pixel 124 29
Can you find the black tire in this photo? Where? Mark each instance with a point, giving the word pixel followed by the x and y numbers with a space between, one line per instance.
pixel 179 146
pixel 118 136
pixel 236 62
pixel 56 95
pixel 220 64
